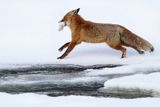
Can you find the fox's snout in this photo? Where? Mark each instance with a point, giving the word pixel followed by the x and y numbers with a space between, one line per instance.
pixel 61 21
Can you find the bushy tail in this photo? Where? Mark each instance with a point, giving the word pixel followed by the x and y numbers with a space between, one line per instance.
pixel 132 40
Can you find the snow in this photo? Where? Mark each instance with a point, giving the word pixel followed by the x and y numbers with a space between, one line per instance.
pixel 33 100
pixel 140 68
pixel 29 35
pixel 61 26
pixel 148 82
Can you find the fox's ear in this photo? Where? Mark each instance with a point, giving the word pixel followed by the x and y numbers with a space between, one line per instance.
pixel 76 11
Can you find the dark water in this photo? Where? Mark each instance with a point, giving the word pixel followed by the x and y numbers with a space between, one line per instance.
pixel 63 80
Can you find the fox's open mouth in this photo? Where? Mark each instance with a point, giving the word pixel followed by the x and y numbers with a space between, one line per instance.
pixel 61 26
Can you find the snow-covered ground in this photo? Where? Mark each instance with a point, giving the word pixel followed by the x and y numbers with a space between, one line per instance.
pixel 144 82
pixel 29 35
pixel 33 100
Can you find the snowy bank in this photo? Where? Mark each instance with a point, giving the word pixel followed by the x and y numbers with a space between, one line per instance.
pixel 137 84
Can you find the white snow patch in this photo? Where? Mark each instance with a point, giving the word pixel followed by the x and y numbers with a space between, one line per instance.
pixel 139 81
pixel 144 67
pixel 14 66
pixel 61 26
pixel 34 100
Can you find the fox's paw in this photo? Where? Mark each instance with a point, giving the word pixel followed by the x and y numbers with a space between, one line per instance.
pixel 141 52
pixel 60 49
pixel 60 57
pixel 124 55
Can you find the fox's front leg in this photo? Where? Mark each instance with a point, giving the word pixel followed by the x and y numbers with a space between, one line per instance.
pixel 64 46
pixel 69 49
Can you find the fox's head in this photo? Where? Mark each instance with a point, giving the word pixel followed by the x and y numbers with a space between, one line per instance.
pixel 67 19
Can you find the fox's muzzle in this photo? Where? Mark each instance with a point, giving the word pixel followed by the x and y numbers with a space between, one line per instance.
pixel 61 21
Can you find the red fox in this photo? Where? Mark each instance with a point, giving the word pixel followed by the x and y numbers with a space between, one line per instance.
pixel 116 36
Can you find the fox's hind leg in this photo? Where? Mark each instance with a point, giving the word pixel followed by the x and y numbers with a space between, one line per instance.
pixel 64 46
pixel 120 48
